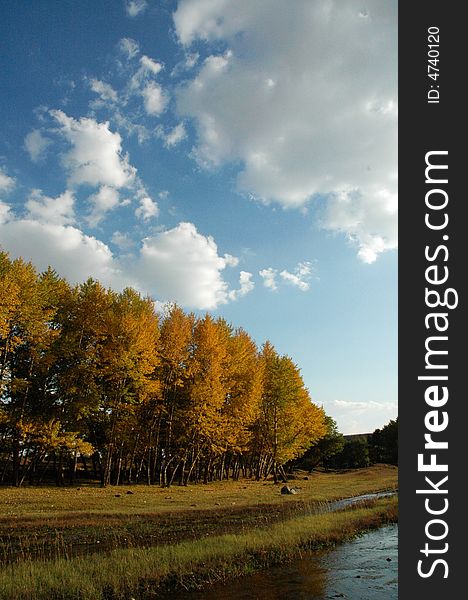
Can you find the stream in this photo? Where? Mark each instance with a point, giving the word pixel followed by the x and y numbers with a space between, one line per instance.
pixel 365 568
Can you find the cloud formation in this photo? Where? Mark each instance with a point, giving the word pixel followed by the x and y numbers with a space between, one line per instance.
pixel 186 267
pixel 177 265
pixel 308 115
pixel 72 253
pixel 135 7
pixel 246 285
pixel 36 145
pixel 103 201
pixel 298 278
pixel 147 208
pixel 95 157
pixel 7 183
pixel 362 417
pixel 56 211
pixel 269 278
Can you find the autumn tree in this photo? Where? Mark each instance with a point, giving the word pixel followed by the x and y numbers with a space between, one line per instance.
pixel 205 422
pixel 26 315
pixel 176 364
pixel 86 370
pixel 289 422
pixel 244 387
pixel 127 362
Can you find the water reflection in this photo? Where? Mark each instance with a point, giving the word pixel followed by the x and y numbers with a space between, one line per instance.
pixel 357 570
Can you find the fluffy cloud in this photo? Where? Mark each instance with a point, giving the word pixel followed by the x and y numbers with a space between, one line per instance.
pixel 102 202
pixel 135 7
pixel 370 221
pixel 104 90
pixel 4 212
pixel 122 240
pixel 269 278
pixel 179 265
pixel 176 135
pixel 299 278
pixel 147 209
pixel 154 98
pixel 72 253
pixel 150 65
pixel 56 211
pixel 130 48
pixel 142 83
pixel 36 145
pixel 6 182
pixel 308 114
pixel 351 416
pixel 185 267
pixel 246 285
pixel 96 156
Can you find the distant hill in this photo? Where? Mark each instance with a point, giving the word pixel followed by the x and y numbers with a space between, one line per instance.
pixel 357 436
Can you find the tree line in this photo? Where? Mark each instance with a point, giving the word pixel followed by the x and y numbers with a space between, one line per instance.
pixel 97 383
pixel 336 451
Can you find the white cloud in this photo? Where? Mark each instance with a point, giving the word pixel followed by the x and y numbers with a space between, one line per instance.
pixel 122 240
pixel 300 276
pixel 57 211
pixel 304 99
pixel 269 278
pixel 129 47
pixel 191 59
pixel 150 65
pixel 178 265
pixel 104 200
pixel 36 145
pixel 96 154
pixel 246 285
pixel 4 212
pixel 154 98
pixel 147 209
pixel 72 253
pixel 176 135
pixel 370 221
pixel 362 417
pixel 363 406
pixel 135 7
pixel 7 183
pixel 104 90
pixel 184 267
pixel 148 69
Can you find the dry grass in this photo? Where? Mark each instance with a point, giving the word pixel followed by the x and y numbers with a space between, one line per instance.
pixel 49 523
pixel 38 504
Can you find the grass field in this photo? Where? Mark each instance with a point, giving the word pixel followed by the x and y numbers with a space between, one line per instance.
pixel 102 543
pixel 37 503
pixel 143 573
pixel 50 523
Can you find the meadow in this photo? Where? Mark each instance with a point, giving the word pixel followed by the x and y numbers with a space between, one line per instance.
pixel 145 539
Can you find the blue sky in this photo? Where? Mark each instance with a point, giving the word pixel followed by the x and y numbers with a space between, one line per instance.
pixel 233 156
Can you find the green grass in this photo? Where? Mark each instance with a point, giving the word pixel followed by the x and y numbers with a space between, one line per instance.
pixel 145 572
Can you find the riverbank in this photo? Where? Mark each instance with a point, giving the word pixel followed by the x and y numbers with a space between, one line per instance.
pixel 144 573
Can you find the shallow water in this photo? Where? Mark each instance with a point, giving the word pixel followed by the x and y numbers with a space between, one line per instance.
pixel 356 570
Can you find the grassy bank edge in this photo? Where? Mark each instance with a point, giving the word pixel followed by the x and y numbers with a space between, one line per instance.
pixel 146 573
